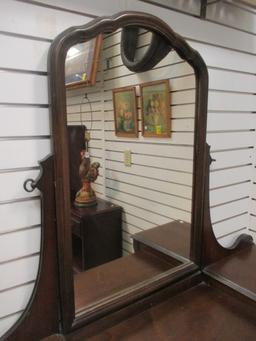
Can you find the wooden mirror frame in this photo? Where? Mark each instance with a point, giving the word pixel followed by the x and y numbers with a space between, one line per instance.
pixel 57 93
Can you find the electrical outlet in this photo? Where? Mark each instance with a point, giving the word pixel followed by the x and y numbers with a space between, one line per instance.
pixel 127 158
pixel 87 136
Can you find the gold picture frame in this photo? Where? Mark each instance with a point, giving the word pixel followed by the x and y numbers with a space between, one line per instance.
pixel 82 63
pixel 125 112
pixel 155 109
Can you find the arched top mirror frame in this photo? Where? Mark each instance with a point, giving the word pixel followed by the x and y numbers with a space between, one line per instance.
pixel 57 93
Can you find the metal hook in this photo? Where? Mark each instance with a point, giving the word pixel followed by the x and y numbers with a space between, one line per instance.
pixel 31 187
pixel 211 159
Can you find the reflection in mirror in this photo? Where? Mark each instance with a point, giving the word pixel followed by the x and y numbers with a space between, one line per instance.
pixel 131 141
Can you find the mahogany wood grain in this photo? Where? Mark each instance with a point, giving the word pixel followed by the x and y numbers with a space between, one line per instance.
pixel 127 311
pixel 41 317
pixel 172 239
pixel 54 337
pixel 98 232
pixel 103 206
pixel 110 278
pixel 200 313
pixel 237 271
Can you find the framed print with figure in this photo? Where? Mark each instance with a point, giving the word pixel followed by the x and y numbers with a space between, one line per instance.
pixel 155 109
pixel 125 112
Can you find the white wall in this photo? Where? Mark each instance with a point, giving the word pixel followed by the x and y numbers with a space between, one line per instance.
pixel 26 31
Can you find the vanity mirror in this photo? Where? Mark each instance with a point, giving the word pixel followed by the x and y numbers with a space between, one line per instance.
pixel 143 232
pixel 149 236
pixel 140 226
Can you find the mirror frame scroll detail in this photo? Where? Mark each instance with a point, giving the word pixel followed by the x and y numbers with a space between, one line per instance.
pixel 57 94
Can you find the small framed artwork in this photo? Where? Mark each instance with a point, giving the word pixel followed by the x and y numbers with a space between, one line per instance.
pixel 155 109
pixel 82 63
pixel 125 112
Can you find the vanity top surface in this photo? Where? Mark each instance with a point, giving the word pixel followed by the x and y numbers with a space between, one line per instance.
pixel 238 268
pixel 169 238
pixel 101 207
pixel 200 313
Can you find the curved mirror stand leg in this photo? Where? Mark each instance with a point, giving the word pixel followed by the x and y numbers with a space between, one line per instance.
pixel 40 318
pixel 212 251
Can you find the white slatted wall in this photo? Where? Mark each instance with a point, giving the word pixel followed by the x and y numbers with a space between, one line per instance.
pixel 158 187
pixel 26 31
pixel 230 56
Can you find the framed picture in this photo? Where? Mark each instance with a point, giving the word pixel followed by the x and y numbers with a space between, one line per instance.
pixel 155 109
pixel 125 112
pixel 82 62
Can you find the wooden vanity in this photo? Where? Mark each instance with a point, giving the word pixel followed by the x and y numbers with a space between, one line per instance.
pixel 180 284
pixel 216 303
pixel 203 312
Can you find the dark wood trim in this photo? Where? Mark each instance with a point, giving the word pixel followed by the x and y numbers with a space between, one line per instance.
pixel 236 272
pixel 203 9
pixel 169 257
pixel 158 48
pixel 137 292
pixel 57 94
pixel 171 239
pixel 222 285
pixel 41 317
pixel 136 307
pixel 232 285
pixel 140 244
pixel 203 312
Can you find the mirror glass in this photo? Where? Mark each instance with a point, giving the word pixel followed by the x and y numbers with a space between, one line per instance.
pixel 131 138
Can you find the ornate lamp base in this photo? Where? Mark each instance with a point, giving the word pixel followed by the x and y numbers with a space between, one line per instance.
pixel 86 196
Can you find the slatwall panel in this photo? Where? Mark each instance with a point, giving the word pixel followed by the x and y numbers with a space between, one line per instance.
pixel 231 134
pixel 230 56
pixel 157 188
pixel 26 31
pixel 233 14
pixel 191 6
pixel 191 28
pixel 223 12
pixel 89 111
